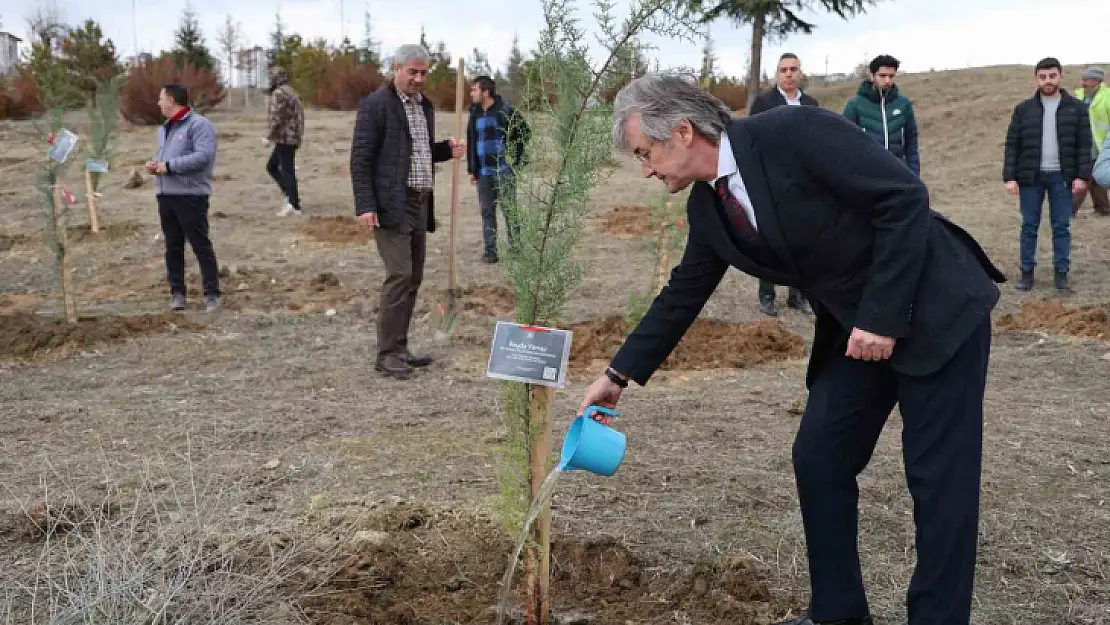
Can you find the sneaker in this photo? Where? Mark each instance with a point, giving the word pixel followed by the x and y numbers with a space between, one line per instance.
pixel 289 211
pixel 177 302
pixel 211 303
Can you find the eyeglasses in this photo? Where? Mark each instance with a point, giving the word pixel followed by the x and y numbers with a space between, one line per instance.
pixel 644 156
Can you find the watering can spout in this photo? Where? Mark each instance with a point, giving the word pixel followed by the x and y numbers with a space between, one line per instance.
pixel 592 446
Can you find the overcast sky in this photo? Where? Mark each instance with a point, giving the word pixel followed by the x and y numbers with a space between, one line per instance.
pixel 923 34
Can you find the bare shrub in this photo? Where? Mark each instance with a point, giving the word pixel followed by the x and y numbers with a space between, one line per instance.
pixel 19 96
pixel 139 96
pixel 165 552
pixel 345 82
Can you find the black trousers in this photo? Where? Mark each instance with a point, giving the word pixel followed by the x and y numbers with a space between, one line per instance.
pixel 185 217
pixel 282 168
pixel 942 443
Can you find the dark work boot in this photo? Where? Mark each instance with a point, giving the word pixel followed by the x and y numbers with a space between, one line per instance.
pixel 393 365
pixel 798 302
pixel 767 305
pixel 1025 283
pixel 1062 281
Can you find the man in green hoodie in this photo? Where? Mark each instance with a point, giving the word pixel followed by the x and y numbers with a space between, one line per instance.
pixel 1096 95
pixel 885 114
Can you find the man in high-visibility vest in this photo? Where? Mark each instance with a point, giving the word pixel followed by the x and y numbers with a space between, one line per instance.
pixel 1096 95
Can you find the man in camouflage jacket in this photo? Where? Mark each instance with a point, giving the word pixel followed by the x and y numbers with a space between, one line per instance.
pixel 285 119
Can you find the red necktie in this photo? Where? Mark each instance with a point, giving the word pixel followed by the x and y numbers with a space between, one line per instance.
pixel 734 209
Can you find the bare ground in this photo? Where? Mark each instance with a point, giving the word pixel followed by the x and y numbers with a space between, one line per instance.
pixel 706 492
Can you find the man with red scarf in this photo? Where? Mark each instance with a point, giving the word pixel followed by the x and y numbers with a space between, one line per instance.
pixel 183 183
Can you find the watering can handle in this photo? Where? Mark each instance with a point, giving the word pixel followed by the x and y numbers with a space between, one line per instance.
pixel 609 412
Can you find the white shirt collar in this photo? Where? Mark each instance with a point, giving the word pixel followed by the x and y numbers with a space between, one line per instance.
pixel 786 97
pixel 726 160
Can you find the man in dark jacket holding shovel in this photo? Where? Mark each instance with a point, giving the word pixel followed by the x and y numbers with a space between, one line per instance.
pixel 392 157
pixel 884 113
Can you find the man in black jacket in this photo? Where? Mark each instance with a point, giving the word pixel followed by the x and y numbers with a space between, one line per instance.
pixel 392 157
pixel 496 137
pixel 799 196
pixel 786 93
pixel 1048 151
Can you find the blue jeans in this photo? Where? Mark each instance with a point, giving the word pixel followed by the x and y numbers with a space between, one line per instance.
pixel 1031 200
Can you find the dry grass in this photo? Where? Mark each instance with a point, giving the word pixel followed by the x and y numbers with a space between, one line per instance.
pixel 708 473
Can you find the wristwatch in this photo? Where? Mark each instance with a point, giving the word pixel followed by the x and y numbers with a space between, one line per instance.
pixel 616 379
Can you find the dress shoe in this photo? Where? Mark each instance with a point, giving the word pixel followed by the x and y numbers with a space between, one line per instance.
pixel 767 306
pixel 393 365
pixel 807 621
pixel 416 361
pixel 798 302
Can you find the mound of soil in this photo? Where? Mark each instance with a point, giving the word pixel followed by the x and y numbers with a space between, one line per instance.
pixel 626 221
pixel 1092 322
pixel 261 290
pixel 27 335
pixel 494 300
pixel 337 229
pixel 8 241
pixel 707 344
pixel 446 568
pixel 108 232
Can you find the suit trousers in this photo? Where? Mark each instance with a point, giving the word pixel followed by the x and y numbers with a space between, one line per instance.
pixel 403 251
pixel 942 441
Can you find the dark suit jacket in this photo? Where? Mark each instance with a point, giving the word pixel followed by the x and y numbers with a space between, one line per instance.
pixel 381 152
pixel 852 227
pixel 773 99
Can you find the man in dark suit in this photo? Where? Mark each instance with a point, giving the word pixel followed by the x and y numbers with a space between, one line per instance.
pixel 392 157
pixel 787 92
pixel 799 196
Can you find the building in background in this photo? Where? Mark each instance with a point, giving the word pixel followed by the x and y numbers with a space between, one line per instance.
pixel 252 67
pixel 9 53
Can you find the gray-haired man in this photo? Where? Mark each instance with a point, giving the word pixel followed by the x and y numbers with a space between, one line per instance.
pixel 392 157
pixel 797 195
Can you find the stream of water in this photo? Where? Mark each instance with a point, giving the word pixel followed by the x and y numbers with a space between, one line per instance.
pixel 546 491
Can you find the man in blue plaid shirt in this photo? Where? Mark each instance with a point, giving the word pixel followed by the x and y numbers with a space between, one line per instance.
pixel 496 138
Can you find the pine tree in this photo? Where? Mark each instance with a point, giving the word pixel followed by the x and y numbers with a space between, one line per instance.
pixel 189 46
pixel 515 72
pixel 708 63
pixel 478 64
pixel 88 58
pixel 277 39
pixel 369 52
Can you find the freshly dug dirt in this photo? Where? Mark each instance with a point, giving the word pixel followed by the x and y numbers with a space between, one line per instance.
pixel 108 232
pixel 8 241
pixel 707 345
pixel 26 335
pixel 438 568
pixel 339 229
pixel 626 221
pixel 253 289
pixel 494 300
pixel 1092 322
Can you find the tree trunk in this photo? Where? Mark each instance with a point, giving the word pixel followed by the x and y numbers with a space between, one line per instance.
pixel 755 69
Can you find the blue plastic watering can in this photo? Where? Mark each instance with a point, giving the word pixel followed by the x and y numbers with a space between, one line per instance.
pixel 592 446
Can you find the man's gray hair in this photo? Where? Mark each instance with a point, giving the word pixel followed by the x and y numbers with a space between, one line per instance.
pixel 663 101
pixel 411 52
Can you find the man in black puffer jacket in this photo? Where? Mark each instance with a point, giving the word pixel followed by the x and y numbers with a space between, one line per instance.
pixel 1048 151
